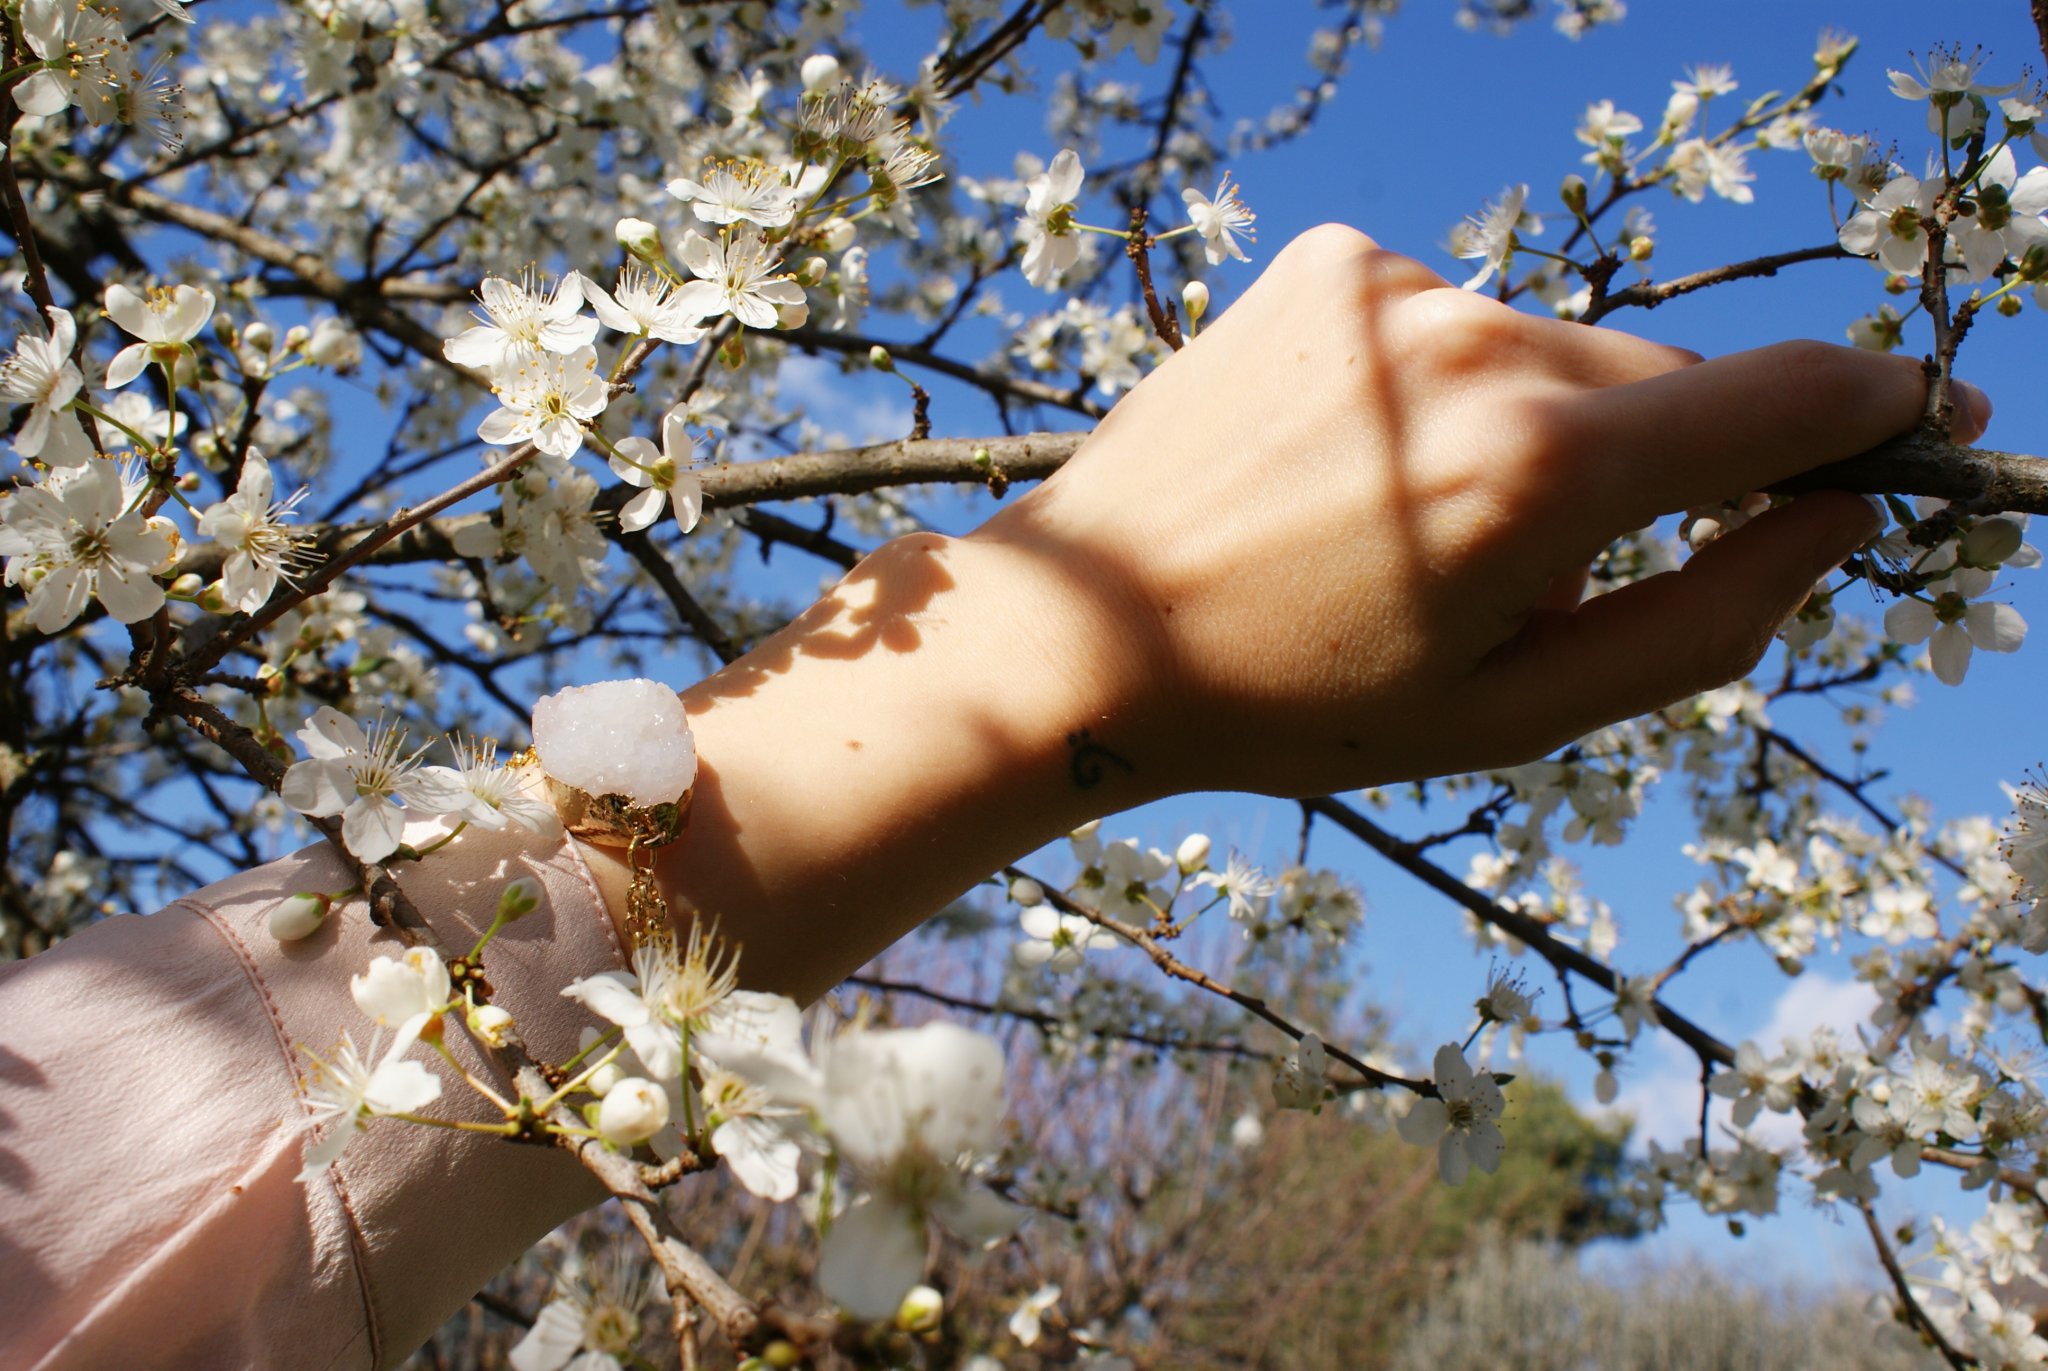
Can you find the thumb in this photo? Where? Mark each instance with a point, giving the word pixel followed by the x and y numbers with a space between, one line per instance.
pixel 1679 632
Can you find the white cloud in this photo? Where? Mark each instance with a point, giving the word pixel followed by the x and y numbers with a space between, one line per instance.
pixel 864 407
pixel 1663 1093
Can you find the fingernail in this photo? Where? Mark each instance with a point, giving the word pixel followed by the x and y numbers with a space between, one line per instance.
pixel 1975 403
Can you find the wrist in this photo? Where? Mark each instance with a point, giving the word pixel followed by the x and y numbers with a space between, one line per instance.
pixel 949 706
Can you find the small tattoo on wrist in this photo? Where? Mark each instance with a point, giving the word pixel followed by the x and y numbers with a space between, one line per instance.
pixel 1090 760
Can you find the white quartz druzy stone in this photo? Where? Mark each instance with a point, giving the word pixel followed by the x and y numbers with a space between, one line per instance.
pixel 617 738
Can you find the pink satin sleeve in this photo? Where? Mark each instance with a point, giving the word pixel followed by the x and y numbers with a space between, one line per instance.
pixel 151 1125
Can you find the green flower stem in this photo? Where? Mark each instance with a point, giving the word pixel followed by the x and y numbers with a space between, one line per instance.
pixel 1522 247
pixel 577 1082
pixel 510 1110
pixel 827 1176
pixel 689 1108
pixel 420 854
pixel 503 1130
pixel 84 406
pixel 595 1043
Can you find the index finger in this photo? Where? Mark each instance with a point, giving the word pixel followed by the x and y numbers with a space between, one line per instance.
pixel 1733 424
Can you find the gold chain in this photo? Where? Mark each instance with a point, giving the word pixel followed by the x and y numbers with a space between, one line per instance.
pixel 647 916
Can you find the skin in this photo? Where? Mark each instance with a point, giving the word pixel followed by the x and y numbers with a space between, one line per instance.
pixel 1338 540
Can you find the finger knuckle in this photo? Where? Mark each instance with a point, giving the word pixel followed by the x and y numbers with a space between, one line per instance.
pixel 1455 334
pixel 1328 243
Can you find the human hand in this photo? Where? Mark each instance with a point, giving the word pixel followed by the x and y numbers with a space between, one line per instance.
pixel 1347 527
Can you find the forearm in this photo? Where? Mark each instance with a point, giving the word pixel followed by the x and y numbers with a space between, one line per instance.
pixel 912 732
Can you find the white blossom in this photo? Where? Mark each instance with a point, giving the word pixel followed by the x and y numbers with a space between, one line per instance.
pixel 404 992
pixel 660 474
pixel 734 191
pixel 1056 941
pixel 645 305
pixel 592 1320
pixel 1219 220
pixel 75 537
pixel 251 525
pixel 1490 235
pixel 544 399
pixel 488 793
pixel 1951 625
pixel 165 320
pixel 346 1093
pixel 86 48
pixel 1051 242
pixel 737 274
pixel 360 775
pixel 521 321
pixel 1461 1121
pixel 42 376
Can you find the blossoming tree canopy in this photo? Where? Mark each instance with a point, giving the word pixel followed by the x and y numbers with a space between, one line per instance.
pixel 360 349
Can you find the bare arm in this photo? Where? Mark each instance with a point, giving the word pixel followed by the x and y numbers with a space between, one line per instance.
pixel 1338 540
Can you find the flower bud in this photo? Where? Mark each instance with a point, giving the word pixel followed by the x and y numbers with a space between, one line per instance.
pixel 1605 1087
pixel 213 599
pixel 258 336
pixel 519 899
pixel 300 916
pixel 633 1111
pixel 921 1310
pixel 296 337
pixel 1193 852
pixel 1194 298
pixel 2009 306
pixel 820 72
pixel 836 234
pixel 1641 247
pixel 640 238
pixel 812 272
pixel 879 358
pixel 1991 543
pixel 782 1355
pixel 1573 193
pixel 489 1025
pixel 1895 284
pixel 792 316
pixel 1026 892
pixel 186 586
pixel 189 481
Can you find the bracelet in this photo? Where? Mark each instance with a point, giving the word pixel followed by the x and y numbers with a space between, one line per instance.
pixel 620 766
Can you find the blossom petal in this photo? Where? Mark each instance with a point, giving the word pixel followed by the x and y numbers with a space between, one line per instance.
pixel 1995 628
pixel 372 827
pixel 1949 650
pixel 1424 1122
pixel 870 1259
pixel 127 365
pixel 556 1336
pixel 316 787
pixel 613 995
